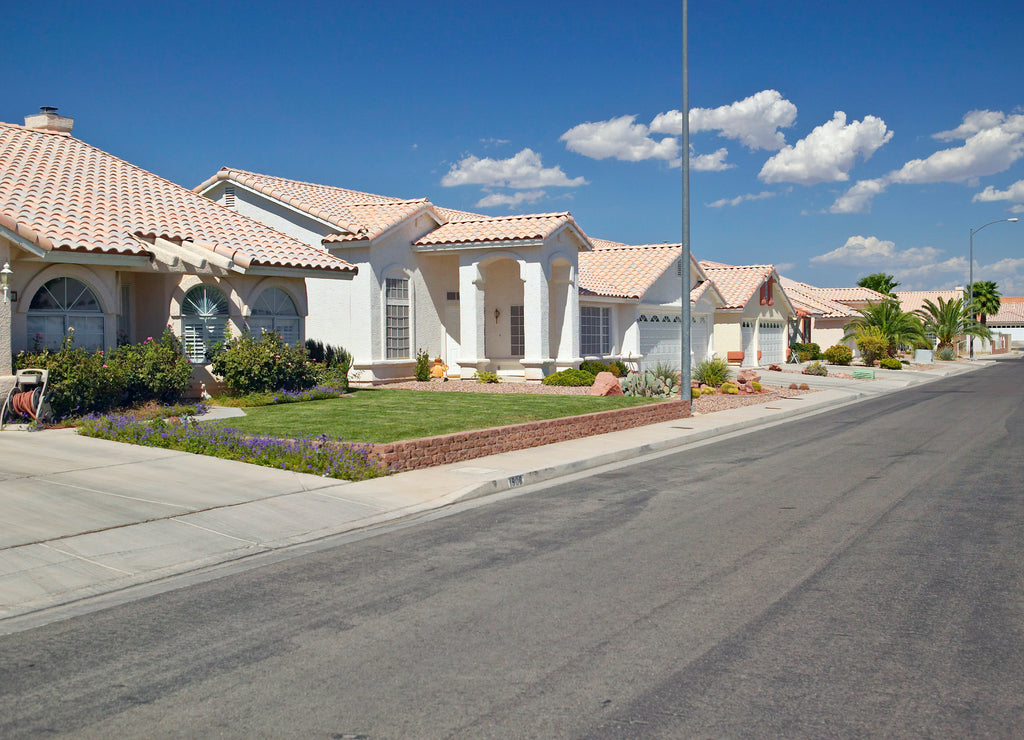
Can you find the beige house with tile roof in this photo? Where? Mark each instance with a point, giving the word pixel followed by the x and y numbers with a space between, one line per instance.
pixel 821 316
pixel 117 253
pixel 752 328
pixel 636 291
pixel 484 294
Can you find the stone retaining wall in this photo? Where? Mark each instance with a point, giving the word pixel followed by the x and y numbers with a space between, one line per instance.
pixel 448 448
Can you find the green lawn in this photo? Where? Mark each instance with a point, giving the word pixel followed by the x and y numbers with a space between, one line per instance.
pixel 381 415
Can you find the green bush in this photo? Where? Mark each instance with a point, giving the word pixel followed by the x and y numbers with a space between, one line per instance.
pixel 890 363
pixel 616 367
pixel 257 364
pixel 872 345
pixel 695 393
pixel 83 382
pixel 839 354
pixel 422 371
pixel 945 354
pixel 709 391
pixel 666 372
pixel 714 371
pixel 815 368
pixel 570 377
pixel 482 376
pixel 331 363
pixel 729 388
pixel 806 351
pixel 619 368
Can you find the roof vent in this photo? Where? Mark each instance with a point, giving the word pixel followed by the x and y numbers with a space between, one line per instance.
pixel 47 119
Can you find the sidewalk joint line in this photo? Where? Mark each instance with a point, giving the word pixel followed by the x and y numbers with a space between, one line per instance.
pixel 88 560
pixel 213 531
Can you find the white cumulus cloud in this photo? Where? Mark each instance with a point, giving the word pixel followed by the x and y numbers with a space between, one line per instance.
pixel 510 199
pixel 862 250
pixel 742 199
pixel 975 121
pixel 714 162
pixel 986 152
pixel 858 198
pixel 754 121
pixel 1014 194
pixel 522 171
pixel 621 138
pixel 828 153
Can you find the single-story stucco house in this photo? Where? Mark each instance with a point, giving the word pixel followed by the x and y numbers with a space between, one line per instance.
pixel 102 246
pixel 752 328
pixel 484 293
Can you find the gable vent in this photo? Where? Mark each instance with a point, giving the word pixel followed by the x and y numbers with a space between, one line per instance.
pixel 453 295
pixel 679 268
pixel 229 197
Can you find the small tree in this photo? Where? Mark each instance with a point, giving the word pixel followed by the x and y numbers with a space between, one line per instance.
pixel 899 327
pixel 987 299
pixel 872 344
pixel 949 320
pixel 879 282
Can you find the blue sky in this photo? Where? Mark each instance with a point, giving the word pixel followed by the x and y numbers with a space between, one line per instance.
pixel 831 139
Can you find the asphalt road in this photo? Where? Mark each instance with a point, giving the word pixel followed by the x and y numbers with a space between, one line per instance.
pixel 857 574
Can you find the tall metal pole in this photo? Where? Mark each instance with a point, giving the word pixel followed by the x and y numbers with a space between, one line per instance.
pixel 685 372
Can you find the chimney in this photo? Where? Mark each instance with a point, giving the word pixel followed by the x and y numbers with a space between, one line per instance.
pixel 48 120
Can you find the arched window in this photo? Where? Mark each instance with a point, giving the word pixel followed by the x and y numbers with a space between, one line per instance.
pixel 60 305
pixel 274 311
pixel 204 318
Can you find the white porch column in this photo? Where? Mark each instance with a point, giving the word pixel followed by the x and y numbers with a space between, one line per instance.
pixel 471 316
pixel 569 341
pixel 537 320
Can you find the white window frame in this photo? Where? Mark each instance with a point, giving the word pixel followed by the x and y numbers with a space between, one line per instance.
pixel 273 319
pixel 398 318
pixel 67 317
pixel 596 335
pixel 201 330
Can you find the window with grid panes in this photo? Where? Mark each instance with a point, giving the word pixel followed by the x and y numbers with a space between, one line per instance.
pixel 517 331
pixel 396 318
pixel 274 310
pixel 63 304
pixel 204 319
pixel 595 330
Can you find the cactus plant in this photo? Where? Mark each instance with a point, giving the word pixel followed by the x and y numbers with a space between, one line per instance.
pixel 649 385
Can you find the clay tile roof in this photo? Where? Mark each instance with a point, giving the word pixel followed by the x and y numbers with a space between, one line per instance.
pixel 736 283
pixel 64 194
pixel 809 300
pixel 360 216
pixel 856 294
pixel 1011 312
pixel 498 229
pixel 447 215
pixel 605 244
pixel 622 271
pixel 912 300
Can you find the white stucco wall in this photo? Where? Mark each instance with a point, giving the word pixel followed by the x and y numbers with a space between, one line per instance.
pixel 5 319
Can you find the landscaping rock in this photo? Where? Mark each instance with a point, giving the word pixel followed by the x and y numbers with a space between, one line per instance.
pixel 606 384
pixel 804 387
pixel 747 376
pixel 794 386
pixel 774 368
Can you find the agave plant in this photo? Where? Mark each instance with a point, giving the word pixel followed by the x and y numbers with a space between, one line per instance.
pixel 899 327
pixel 950 320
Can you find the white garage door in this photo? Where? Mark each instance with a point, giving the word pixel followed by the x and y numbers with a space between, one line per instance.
pixel 698 339
pixel 659 337
pixel 771 340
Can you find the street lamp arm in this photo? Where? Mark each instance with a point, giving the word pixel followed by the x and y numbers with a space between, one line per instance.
pixel 997 221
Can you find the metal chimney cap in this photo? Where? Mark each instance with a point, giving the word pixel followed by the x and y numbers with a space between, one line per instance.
pixel 47 109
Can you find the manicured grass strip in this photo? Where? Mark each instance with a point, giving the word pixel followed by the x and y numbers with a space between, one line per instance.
pixel 382 415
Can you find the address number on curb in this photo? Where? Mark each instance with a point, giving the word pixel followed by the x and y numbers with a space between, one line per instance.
pixel 515 480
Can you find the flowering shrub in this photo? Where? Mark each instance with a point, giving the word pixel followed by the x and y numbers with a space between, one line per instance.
pixel 83 382
pixel 257 364
pixel 317 455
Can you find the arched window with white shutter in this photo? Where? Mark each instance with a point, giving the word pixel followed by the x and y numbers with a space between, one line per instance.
pixel 204 319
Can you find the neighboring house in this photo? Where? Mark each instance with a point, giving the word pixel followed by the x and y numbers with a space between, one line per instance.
pixel 822 316
pixel 630 295
pixel 1009 319
pixel 752 327
pixel 117 253
pixel 485 294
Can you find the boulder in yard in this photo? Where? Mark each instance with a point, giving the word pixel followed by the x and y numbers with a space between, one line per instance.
pixel 794 386
pixel 747 376
pixel 774 368
pixel 804 387
pixel 606 384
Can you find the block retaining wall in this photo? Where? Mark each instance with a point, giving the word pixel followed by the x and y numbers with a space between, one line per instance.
pixel 427 452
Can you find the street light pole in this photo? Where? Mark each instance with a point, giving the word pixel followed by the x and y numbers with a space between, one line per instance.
pixel 684 265
pixel 970 283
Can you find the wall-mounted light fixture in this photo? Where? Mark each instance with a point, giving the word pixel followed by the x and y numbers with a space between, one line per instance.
pixel 497 313
pixel 5 279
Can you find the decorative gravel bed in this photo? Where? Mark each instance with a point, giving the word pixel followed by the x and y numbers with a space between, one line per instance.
pixel 703 405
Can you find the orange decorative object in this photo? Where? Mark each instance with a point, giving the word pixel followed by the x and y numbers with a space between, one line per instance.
pixel 734 356
pixel 439 370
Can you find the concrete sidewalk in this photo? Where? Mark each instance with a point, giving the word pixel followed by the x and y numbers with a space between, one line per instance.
pixel 85 517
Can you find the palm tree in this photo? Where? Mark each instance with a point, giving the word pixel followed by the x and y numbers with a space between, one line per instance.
pixel 987 298
pixel 899 327
pixel 879 282
pixel 950 320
